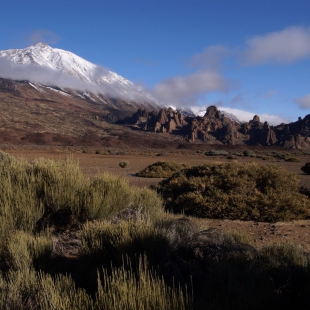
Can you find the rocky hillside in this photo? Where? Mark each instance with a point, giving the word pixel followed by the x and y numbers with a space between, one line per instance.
pixel 216 128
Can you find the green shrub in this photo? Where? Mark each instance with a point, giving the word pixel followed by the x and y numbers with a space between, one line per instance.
pixel 283 255
pixel 47 187
pixel 232 157
pixel 161 169
pixel 235 191
pixel 216 152
pixel 292 159
pixel 306 168
pixel 249 153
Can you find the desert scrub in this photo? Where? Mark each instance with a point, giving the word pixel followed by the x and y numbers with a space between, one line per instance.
pixel 139 287
pixel 47 187
pixel 234 191
pixel 161 169
pixel 249 153
pixel 123 164
pixel 292 159
pixel 216 152
pixel 306 168
pixel 104 241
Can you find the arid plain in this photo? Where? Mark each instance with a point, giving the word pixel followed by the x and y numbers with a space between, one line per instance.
pixel 96 161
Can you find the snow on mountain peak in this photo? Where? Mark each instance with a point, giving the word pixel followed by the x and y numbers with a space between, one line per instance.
pixel 41 63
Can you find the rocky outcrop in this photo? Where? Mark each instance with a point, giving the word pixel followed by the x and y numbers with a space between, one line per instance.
pixel 216 128
pixel 166 120
pixel 9 86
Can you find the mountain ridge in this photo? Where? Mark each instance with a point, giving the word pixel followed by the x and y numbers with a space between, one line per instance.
pixel 216 127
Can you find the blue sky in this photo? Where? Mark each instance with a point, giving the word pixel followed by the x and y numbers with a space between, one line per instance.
pixel 243 55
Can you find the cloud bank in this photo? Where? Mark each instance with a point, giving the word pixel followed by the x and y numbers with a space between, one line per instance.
pixel 245 116
pixel 286 46
pixel 304 102
pixel 185 91
pixel 48 76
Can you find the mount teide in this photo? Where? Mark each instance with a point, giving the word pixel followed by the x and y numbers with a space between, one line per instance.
pixel 52 96
pixel 71 75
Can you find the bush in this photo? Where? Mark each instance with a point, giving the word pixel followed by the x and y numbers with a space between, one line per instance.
pixel 306 168
pixel 123 164
pixel 32 193
pixel 216 152
pixel 249 153
pixel 292 159
pixel 232 157
pixel 234 191
pixel 161 169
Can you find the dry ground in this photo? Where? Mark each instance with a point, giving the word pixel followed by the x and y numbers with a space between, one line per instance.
pixel 259 233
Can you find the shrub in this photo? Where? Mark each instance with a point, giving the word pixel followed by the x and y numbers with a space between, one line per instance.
pixel 123 164
pixel 249 153
pixel 232 157
pixel 306 168
pixel 235 191
pixel 216 152
pixel 161 169
pixel 47 188
pixel 292 159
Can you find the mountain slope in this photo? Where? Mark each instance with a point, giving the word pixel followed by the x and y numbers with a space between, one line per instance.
pixel 47 117
pixel 42 64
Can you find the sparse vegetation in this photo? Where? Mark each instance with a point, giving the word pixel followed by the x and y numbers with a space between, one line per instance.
pixel 292 159
pixel 232 157
pixel 123 164
pixel 306 168
pixel 70 242
pixel 249 153
pixel 161 169
pixel 216 153
pixel 236 191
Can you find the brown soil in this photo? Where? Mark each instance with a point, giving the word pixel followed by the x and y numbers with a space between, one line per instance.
pixel 260 233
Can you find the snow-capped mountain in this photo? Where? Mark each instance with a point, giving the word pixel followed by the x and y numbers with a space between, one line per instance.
pixel 42 64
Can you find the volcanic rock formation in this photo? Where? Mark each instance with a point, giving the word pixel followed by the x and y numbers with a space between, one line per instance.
pixel 216 128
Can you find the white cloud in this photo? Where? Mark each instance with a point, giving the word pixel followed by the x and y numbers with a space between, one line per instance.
pixel 245 116
pixel 289 45
pixel 210 58
pixel 43 35
pixel 303 102
pixel 48 76
pixel 185 91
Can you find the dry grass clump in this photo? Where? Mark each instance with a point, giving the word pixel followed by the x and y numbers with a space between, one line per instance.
pixel 234 191
pixel 161 169
pixel 47 187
